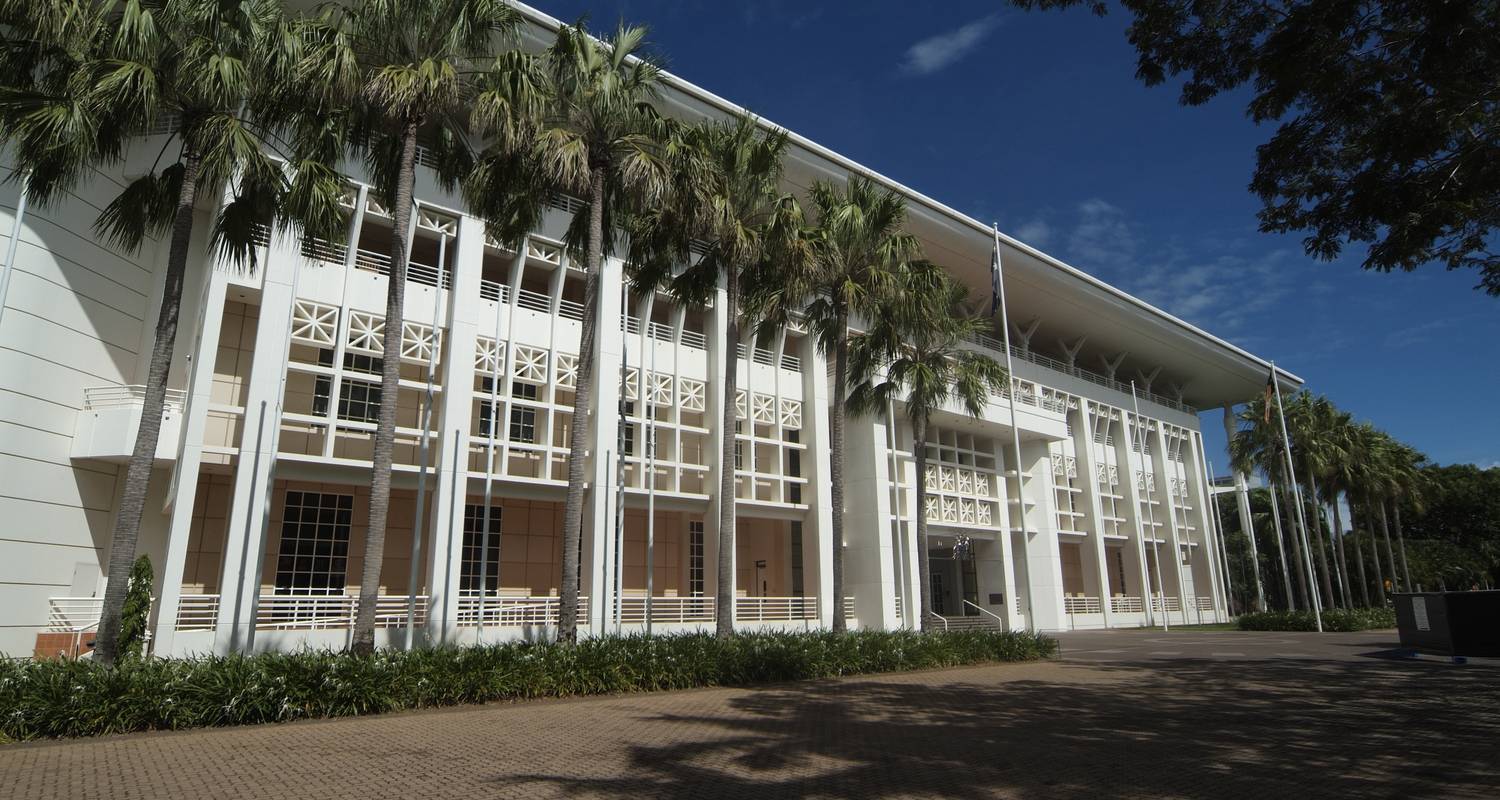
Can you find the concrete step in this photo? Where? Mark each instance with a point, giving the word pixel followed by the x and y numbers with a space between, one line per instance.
pixel 976 623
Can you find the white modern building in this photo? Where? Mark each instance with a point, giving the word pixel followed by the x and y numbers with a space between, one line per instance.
pixel 260 494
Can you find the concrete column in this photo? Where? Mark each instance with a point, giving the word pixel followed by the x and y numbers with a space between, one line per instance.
pixel 244 541
pixel 184 488
pixel 869 556
pixel 1202 497
pixel 1133 463
pixel 1242 498
pixel 1004 456
pixel 817 527
pixel 599 505
pixel 1089 466
pixel 443 536
pixel 1159 467
pixel 1043 560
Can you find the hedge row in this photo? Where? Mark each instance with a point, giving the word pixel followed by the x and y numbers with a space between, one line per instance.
pixel 50 699
pixel 1340 620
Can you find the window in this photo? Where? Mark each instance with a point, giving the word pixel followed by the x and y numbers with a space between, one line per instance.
pixel 695 558
pixel 523 420
pixel 627 430
pixel 797 590
pixel 473 563
pixel 314 548
pixel 359 398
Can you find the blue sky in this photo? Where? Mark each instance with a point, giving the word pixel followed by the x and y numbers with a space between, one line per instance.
pixel 1036 120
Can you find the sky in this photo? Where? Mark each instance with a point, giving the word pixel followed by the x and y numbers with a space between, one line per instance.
pixel 1035 120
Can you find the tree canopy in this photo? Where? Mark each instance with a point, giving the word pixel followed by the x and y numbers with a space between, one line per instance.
pixel 1387 113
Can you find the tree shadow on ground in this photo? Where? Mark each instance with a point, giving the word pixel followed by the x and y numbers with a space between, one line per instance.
pixel 1288 728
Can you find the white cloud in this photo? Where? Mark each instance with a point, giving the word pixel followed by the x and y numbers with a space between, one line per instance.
pixel 1036 233
pixel 936 53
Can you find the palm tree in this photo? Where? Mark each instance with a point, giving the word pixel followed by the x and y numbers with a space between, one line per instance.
pixel 915 352
pixel 1370 479
pixel 730 209
pixel 1258 443
pixel 854 253
pixel 1409 487
pixel 83 82
pixel 1314 453
pixel 1336 431
pixel 597 137
pixel 402 70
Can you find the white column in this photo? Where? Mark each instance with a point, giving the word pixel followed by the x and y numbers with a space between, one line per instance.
pixel 1159 468
pixel 442 539
pixel 1043 560
pixel 250 504
pixel 1134 465
pixel 1203 494
pixel 599 505
pixel 869 557
pixel 817 527
pixel 1004 454
pixel 1090 469
pixel 184 491
pixel 1242 498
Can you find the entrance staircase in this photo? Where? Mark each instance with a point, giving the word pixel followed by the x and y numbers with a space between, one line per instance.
pixel 980 622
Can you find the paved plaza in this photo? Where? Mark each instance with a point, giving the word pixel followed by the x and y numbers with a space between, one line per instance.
pixel 1123 713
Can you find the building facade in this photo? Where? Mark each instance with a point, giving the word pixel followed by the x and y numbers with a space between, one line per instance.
pixel 260 492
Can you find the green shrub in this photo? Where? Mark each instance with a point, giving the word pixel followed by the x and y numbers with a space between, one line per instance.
pixel 137 612
pixel 59 698
pixel 1338 620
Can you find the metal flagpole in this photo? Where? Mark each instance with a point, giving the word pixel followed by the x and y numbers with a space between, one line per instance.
pixel 10 249
pixel 416 526
pixel 489 466
pixel 1291 476
pixel 1140 438
pixel 650 409
pixel 998 299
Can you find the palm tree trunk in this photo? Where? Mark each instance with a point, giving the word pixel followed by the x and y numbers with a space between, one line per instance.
pixel 924 555
pixel 1286 573
pixel 1296 544
pixel 363 639
pixel 1338 543
pixel 1390 554
pixel 1315 522
pixel 1401 545
pixel 1359 553
pixel 836 465
pixel 1375 552
pixel 724 603
pixel 127 529
pixel 582 431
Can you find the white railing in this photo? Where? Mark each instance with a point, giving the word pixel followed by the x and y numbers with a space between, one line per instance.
pixel 848 607
pixel 988 613
pixel 991 343
pixel 630 324
pixel 320 612
pixel 536 301
pixel 197 612
pixel 667 609
pixel 694 339
pixel 1082 605
pixel 568 309
pixel 494 290
pixel 68 614
pixel 1205 604
pixel 380 264
pixel 514 610
pixel 1126 604
pixel 791 363
pixel 1173 604
pixel 118 396
pixel 659 331
pixel 775 609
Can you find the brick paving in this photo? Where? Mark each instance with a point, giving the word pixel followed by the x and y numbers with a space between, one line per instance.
pixel 1122 714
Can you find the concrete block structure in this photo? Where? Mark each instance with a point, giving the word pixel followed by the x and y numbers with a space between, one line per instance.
pixel 259 498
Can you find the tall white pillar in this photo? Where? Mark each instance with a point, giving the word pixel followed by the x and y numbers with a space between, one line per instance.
pixel 1043 559
pixel 1090 469
pixel 599 505
pixel 817 527
pixel 1004 456
pixel 442 536
pixel 1159 468
pixel 250 503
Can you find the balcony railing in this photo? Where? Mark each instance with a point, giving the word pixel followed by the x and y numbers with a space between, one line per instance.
pixel 316 612
pixel 1173 603
pixel 96 398
pixel 380 264
pixel 667 609
pixel 197 612
pixel 513 610
pixel 775 609
pixel 1126 604
pixel 996 345
pixel 1205 604
pixel 494 290
pixel 73 613
pixel 1081 605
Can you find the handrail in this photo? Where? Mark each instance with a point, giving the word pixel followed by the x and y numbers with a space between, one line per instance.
pixel 941 619
pixel 985 611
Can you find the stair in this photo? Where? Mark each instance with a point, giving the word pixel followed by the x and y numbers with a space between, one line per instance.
pixel 981 622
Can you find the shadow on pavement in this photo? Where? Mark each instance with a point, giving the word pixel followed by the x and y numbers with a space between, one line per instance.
pixel 1150 728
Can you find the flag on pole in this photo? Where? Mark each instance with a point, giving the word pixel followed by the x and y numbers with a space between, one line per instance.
pixel 1269 395
pixel 995 276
